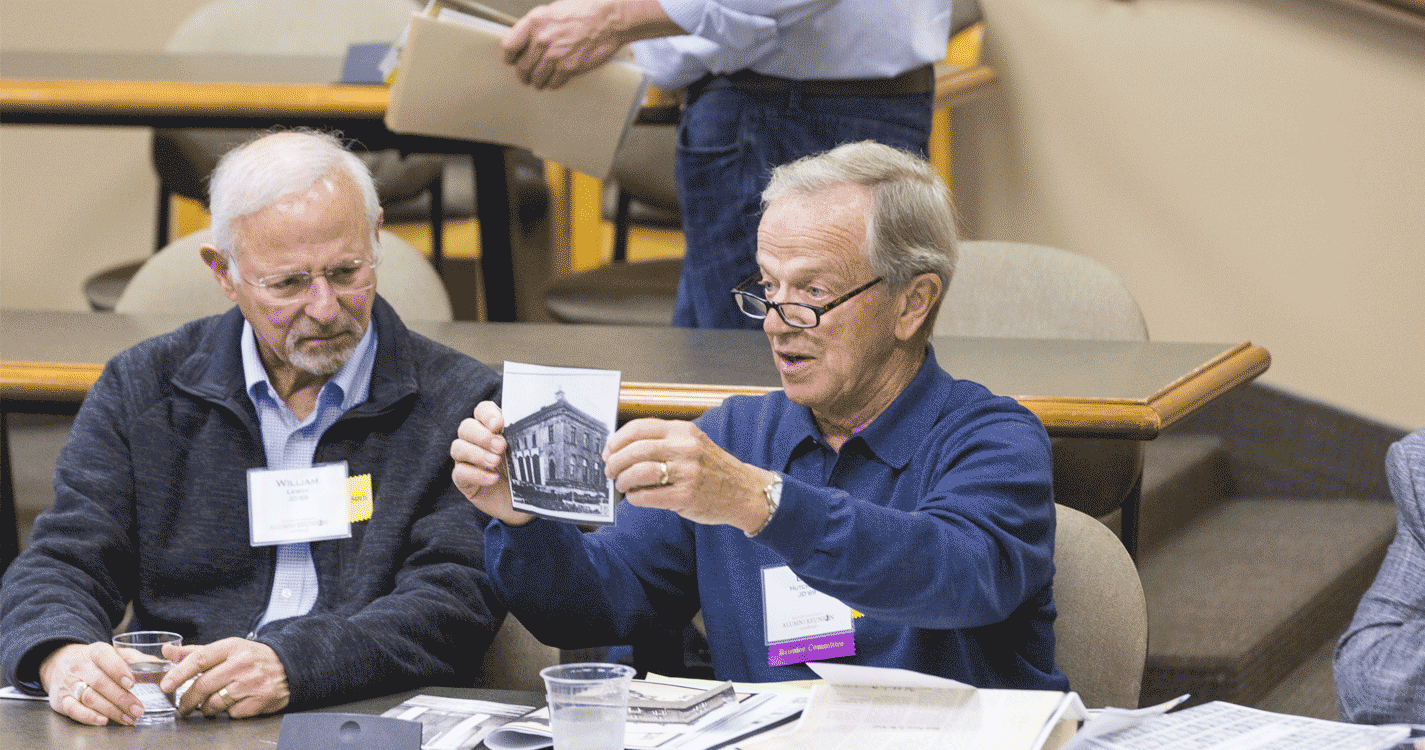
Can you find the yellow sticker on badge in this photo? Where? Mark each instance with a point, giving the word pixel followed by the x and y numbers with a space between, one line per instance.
pixel 359 488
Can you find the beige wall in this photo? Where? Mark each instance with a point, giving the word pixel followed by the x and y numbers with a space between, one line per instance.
pixel 1255 169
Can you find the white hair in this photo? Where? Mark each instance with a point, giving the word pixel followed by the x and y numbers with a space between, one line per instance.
pixel 910 228
pixel 274 166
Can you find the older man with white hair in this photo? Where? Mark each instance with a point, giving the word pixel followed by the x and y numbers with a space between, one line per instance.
pixel 271 484
pixel 875 511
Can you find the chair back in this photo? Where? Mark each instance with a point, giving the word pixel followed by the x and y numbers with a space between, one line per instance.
pixel 1019 290
pixel 285 27
pixel 183 158
pixel 515 658
pixel 176 281
pixel 1101 635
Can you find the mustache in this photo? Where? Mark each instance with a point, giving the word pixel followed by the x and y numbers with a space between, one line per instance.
pixel 307 328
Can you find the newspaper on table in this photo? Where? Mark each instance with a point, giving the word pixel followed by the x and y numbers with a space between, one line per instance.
pixel 462 724
pixel 455 723
pixel 876 708
pixel 1226 726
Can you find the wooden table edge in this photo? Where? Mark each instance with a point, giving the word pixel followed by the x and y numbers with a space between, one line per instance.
pixel 1064 417
pixel 26 96
pixel 1223 373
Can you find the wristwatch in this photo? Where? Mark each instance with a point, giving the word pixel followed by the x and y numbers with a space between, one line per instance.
pixel 773 492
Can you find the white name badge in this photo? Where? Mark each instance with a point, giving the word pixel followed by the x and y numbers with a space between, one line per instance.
pixel 298 505
pixel 802 623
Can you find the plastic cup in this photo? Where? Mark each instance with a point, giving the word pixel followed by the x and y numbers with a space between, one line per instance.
pixel 588 704
pixel 143 650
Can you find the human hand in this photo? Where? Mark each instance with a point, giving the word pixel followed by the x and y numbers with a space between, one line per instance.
pixel 554 43
pixel 480 471
pixel 673 465
pixel 243 677
pixel 90 683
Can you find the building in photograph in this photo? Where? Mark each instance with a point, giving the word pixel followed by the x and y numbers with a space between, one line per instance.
pixel 555 458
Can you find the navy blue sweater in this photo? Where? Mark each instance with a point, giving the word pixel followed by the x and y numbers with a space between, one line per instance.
pixel 936 522
pixel 151 508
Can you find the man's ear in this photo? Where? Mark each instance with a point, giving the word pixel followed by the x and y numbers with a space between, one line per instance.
pixel 917 301
pixel 217 261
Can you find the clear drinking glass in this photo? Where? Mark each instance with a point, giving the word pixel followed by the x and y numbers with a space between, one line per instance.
pixel 143 650
pixel 588 704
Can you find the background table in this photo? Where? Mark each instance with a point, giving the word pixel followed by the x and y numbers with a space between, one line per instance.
pixel 1111 389
pixel 1098 389
pixel 163 90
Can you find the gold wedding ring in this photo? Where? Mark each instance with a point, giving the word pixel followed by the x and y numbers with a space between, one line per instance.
pixel 79 693
pixel 663 480
pixel 228 700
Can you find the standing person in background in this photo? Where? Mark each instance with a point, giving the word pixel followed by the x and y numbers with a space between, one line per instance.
pixel 764 83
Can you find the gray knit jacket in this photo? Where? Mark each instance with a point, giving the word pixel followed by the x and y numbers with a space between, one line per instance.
pixel 151 508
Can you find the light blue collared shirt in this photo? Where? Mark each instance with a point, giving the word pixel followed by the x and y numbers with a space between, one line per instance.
pixel 291 444
pixel 798 39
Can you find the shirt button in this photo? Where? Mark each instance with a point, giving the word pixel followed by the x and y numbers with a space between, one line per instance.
pixel 286 593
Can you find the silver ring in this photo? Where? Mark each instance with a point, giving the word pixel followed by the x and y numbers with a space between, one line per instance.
pixel 79 694
pixel 228 700
pixel 663 480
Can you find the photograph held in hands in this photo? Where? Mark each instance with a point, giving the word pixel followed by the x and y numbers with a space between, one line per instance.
pixel 557 420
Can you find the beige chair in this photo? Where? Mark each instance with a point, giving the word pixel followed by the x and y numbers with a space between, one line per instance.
pixel 515 658
pixel 1021 290
pixel 640 191
pixel 1101 635
pixel 176 281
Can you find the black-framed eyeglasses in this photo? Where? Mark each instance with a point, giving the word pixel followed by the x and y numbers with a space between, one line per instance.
pixel 344 278
pixel 794 314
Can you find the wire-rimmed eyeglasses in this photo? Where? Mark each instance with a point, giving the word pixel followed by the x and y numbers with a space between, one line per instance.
pixel 794 314
pixel 346 277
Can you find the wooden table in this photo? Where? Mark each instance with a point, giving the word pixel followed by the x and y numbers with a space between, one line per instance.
pixel 165 90
pixel 32 725
pixel 1095 389
pixel 1113 389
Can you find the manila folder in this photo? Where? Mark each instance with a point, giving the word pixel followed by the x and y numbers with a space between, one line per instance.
pixel 452 82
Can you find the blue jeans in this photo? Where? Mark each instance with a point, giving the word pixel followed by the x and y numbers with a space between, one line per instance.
pixel 729 140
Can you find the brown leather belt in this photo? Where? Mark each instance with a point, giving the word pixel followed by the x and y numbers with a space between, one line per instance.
pixel 916 81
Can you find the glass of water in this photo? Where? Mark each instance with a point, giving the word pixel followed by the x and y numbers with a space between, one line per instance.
pixel 588 704
pixel 143 650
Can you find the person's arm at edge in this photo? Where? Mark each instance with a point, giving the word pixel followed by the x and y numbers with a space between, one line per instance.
pixel 1379 664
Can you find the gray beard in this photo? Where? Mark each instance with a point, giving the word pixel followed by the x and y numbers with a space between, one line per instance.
pixel 325 360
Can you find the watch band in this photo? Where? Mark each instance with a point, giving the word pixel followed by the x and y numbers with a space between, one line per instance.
pixel 773 493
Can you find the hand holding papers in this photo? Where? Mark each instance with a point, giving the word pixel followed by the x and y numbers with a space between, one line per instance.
pixel 452 82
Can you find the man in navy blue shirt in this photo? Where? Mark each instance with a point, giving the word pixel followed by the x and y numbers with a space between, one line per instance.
pixel 875 511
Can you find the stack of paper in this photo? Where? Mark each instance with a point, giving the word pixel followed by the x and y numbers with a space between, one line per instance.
pixel 452 82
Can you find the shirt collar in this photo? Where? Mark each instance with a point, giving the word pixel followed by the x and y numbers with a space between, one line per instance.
pixel 351 383
pixel 892 436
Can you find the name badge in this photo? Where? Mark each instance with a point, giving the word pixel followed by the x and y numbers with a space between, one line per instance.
pixel 298 505
pixel 802 623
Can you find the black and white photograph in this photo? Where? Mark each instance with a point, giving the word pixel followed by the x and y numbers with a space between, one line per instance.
pixel 557 421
